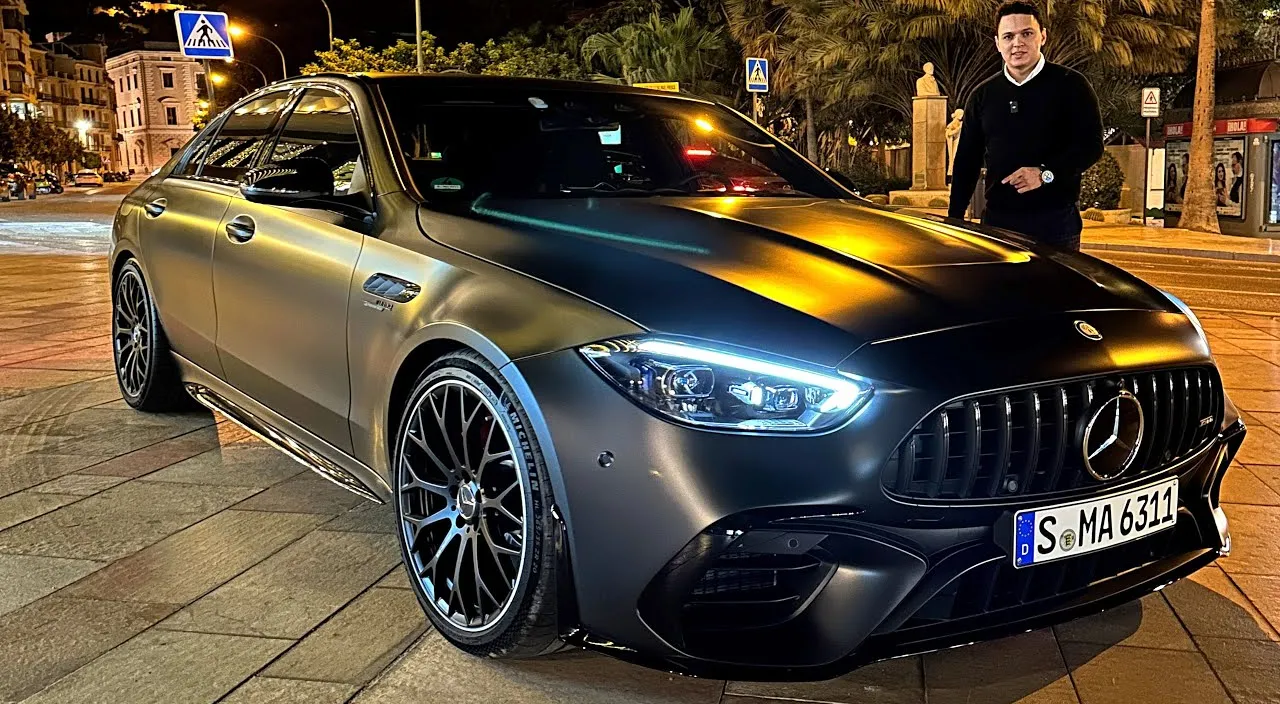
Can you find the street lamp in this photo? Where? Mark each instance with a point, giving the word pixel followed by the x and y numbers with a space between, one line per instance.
pixel 237 31
pixel 330 14
pixel 417 38
pixel 255 68
pixel 217 78
pixel 82 126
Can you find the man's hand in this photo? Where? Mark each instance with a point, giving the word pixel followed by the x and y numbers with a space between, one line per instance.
pixel 1025 179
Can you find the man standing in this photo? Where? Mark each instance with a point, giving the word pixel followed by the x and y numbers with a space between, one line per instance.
pixel 1036 126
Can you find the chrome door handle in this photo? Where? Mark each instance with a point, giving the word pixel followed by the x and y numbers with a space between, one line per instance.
pixel 240 228
pixel 156 207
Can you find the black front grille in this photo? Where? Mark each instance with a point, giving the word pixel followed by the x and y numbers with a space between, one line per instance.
pixel 1024 443
pixel 999 586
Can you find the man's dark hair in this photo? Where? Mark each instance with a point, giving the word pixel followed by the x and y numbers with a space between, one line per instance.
pixel 1018 7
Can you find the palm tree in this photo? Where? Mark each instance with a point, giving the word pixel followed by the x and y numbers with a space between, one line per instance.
pixel 781 31
pixel 1199 209
pixel 678 48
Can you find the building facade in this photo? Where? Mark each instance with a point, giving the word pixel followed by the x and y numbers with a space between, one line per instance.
pixel 74 91
pixel 157 92
pixel 18 79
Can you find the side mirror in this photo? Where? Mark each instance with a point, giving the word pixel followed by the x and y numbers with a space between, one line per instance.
pixel 287 182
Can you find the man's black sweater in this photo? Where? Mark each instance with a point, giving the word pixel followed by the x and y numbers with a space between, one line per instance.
pixel 1051 122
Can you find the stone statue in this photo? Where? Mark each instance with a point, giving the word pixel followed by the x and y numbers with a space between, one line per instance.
pixel 953 139
pixel 927 84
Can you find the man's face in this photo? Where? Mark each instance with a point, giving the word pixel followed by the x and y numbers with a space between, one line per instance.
pixel 1019 38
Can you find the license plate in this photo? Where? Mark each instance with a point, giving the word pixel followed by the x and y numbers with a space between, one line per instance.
pixel 1055 532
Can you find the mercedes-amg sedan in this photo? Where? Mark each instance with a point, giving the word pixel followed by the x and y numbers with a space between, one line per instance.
pixel 619 399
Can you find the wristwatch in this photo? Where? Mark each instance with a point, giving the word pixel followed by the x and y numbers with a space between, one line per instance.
pixel 1045 174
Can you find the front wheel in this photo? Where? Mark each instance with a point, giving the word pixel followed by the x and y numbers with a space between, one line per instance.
pixel 473 506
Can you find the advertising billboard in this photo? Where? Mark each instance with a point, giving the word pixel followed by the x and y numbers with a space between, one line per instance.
pixel 1227 175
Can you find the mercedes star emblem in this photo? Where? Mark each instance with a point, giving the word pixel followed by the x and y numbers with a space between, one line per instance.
pixel 1112 436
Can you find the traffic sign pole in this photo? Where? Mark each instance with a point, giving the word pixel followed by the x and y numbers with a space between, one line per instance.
pixel 1146 173
pixel 757 84
pixel 1150 106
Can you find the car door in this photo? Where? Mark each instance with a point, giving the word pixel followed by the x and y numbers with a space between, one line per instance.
pixel 281 276
pixel 181 216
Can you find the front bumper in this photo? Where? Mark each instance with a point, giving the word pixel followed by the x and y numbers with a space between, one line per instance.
pixel 827 571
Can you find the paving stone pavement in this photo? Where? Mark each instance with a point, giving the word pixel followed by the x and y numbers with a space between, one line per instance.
pixel 177 559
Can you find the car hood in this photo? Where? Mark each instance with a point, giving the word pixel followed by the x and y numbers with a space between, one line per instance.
pixel 810 278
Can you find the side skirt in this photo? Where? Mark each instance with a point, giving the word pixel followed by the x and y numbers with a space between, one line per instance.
pixel 345 471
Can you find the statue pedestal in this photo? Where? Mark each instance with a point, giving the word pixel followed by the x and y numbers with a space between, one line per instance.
pixel 929 143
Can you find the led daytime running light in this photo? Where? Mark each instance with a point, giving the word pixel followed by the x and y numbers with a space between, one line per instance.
pixel 846 392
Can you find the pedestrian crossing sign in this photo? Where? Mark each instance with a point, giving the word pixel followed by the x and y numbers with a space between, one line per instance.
pixel 758 75
pixel 204 35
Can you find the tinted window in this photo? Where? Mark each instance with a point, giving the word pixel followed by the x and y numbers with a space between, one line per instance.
pixel 194 154
pixel 323 127
pixel 564 143
pixel 243 132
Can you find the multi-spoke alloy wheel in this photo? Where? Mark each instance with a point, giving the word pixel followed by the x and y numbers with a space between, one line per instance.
pixel 463 504
pixel 148 376
pixel 473 510
pixel 131 333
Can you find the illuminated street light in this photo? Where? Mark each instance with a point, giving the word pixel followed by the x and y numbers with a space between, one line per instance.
pixel 217 78
pixel 82 126
pixel 238 31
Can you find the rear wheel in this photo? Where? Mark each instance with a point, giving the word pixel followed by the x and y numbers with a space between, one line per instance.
pixel 473 503
pixel 145 369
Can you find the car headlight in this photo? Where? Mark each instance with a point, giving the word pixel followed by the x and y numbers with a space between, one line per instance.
pixel 712 388
pixel 1186 310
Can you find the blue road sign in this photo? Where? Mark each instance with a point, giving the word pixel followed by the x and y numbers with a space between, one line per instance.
pixel 204 35
pixel 758 75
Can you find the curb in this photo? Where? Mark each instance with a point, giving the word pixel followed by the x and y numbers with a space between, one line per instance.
pixel 1182 252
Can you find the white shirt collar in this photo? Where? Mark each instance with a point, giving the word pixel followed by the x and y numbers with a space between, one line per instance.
pixel 1034 72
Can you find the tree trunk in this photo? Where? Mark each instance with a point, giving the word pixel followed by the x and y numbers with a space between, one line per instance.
pixel 810 131
pixel 1200 208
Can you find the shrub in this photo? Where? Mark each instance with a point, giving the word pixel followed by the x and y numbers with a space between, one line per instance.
pixel 901 200
pixel 868 175
pixel 1101 184
pixel 939 203
pixel 878 198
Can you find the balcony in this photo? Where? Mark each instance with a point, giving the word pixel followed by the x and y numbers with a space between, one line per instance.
pixel 93 101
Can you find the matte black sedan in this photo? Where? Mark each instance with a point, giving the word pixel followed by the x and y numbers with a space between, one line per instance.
pixel 617 401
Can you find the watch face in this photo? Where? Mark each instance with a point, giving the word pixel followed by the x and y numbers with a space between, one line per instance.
pixel 1046 176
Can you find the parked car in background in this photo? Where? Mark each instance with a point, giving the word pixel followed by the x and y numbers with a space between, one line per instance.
pixel 88 177
pixel 773 432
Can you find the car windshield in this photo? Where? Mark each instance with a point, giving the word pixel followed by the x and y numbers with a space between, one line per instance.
pixel 554 143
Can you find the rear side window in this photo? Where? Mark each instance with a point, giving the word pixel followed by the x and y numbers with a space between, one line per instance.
pixel 233 152
pixel 193 155
pixel 322 126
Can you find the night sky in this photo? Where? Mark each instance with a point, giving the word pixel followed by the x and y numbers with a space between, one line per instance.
pixel 299 26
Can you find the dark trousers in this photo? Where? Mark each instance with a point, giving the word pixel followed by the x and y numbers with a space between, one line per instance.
pixel 1056 228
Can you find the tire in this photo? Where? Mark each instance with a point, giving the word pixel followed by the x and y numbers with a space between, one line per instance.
pixel 526 623
pixel 145 369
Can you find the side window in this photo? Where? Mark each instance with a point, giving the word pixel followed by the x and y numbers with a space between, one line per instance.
pixel 195 152
pixel 243 132
pixel 323 127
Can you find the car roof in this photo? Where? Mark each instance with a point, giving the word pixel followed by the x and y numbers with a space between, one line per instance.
pixel 462 79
